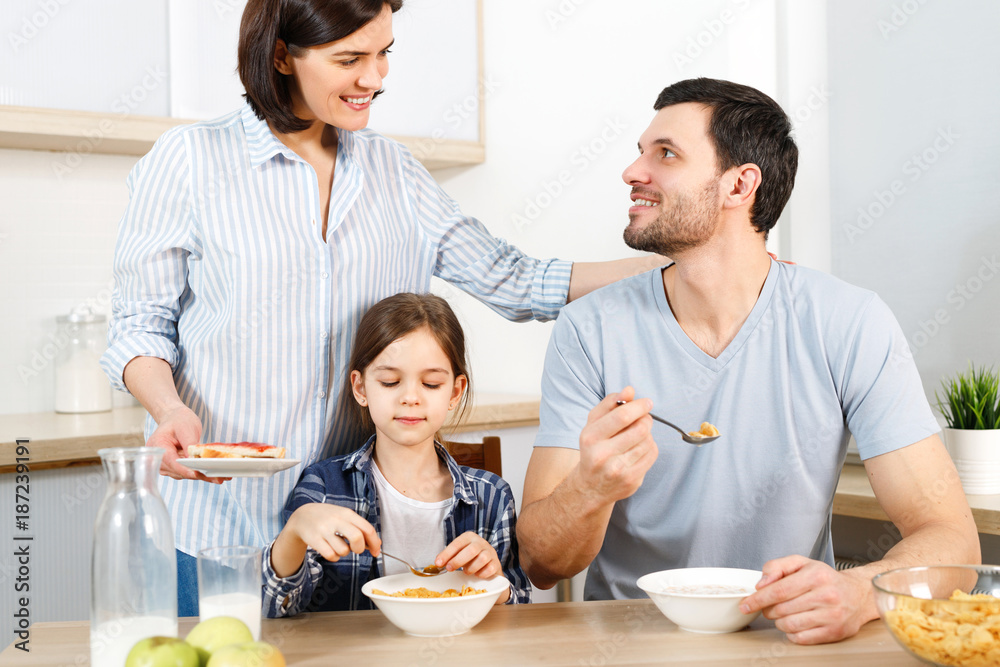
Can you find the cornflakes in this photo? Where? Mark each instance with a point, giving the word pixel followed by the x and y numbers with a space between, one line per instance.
pixel 706 430
pixel 964 634
pixel 427 593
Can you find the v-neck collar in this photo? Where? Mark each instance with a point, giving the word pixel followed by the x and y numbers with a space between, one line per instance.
pixel 696 353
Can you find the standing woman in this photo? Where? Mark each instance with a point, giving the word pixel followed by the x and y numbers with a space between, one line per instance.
pixel 252 245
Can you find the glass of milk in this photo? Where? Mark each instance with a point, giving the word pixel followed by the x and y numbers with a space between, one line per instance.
pixel 229 584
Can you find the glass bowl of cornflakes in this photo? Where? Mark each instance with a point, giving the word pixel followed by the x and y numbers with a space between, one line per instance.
pixel 441 606
pixel 945 615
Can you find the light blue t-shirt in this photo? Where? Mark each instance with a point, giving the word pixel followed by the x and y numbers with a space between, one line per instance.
pixel 815 359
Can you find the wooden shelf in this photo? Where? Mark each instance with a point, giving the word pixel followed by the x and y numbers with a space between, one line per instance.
pixel 85 132
pixel 63 440
pixel 855 498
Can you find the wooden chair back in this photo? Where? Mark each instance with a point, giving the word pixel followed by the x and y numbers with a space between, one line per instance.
pixel 484 455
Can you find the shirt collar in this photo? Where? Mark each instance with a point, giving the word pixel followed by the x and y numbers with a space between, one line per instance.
pixel 262 145
pixel 361 460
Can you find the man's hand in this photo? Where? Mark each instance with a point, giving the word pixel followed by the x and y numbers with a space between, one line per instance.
pixel 175 432
pixel 616 448
pixel 810 601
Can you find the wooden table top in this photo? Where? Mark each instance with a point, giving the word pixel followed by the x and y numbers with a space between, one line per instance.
pixel 621 632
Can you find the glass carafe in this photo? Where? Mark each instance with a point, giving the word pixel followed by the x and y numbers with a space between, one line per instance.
pixel 133 564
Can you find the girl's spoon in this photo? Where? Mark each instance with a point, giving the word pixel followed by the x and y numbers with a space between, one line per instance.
pixel 429 571
pixel 697 441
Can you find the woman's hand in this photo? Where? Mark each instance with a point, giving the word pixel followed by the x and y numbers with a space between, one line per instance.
pixel 151 381
pixel 475 555
pixel 176 430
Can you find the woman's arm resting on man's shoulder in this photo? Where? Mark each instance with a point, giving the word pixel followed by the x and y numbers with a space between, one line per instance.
pixel 588 276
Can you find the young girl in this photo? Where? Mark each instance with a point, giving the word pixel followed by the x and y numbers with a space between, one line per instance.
pixel 401 490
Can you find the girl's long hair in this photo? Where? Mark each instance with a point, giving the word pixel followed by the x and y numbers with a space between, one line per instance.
pixel 387 321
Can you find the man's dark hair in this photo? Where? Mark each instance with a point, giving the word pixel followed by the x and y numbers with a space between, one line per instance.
pixel 746 126
pixel 301 24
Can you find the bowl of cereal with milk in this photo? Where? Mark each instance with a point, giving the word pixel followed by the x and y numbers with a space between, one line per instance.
pixel 702 599
pixel 441 606
pixel 945 614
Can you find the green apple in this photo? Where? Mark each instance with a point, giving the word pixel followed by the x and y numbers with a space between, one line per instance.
pixel 162 652
pixel 250 654
pixel 212 634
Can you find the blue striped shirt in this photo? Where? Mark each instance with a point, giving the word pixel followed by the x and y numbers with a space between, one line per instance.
pixel 220 270
pixel 483 504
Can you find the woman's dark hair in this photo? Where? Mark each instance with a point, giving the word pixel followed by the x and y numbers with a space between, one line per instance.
pixel 746 126
pixel 301 24
pixel 389 320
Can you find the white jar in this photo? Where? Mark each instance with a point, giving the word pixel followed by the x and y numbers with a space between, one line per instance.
pixel 81 385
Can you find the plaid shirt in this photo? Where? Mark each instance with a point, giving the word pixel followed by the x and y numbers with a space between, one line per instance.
pixel 483 504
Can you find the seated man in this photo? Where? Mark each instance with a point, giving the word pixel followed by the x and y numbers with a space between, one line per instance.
pixel 782 359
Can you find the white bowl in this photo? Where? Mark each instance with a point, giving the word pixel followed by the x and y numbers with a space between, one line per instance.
pixel 708 612
pixel 435 617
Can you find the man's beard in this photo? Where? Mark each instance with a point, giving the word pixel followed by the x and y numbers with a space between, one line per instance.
pixel 685 222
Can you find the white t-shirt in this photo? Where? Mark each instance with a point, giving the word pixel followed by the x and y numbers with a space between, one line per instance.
pixel 411 529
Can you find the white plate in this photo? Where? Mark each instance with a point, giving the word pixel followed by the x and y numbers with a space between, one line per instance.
pixel 238 467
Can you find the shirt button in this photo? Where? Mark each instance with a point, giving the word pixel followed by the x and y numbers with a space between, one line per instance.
pixel 323 335
pixel 324 275
pixel 321 394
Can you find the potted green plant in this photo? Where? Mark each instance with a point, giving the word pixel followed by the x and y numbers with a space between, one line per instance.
pixel 971 408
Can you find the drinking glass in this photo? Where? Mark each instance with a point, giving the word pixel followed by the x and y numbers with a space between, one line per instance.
pixel 229 584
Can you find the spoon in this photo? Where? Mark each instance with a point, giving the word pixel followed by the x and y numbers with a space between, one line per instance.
pixel 697 441
pixel 429 571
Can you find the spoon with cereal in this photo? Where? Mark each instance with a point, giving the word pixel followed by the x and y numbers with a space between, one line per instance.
pixel 707 433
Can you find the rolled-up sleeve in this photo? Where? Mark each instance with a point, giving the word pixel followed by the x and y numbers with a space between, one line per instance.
pixel 287 596
pixel 155 240
pixel 518 287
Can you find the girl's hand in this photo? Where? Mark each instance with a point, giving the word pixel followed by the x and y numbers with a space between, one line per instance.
pixel 333 531
pixel 475 555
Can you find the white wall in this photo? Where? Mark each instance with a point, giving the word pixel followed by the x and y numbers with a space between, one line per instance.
pixel 57 236
pixel 569 88
pixel 913 164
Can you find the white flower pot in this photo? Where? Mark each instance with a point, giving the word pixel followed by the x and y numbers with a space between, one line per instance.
pixel 977 457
